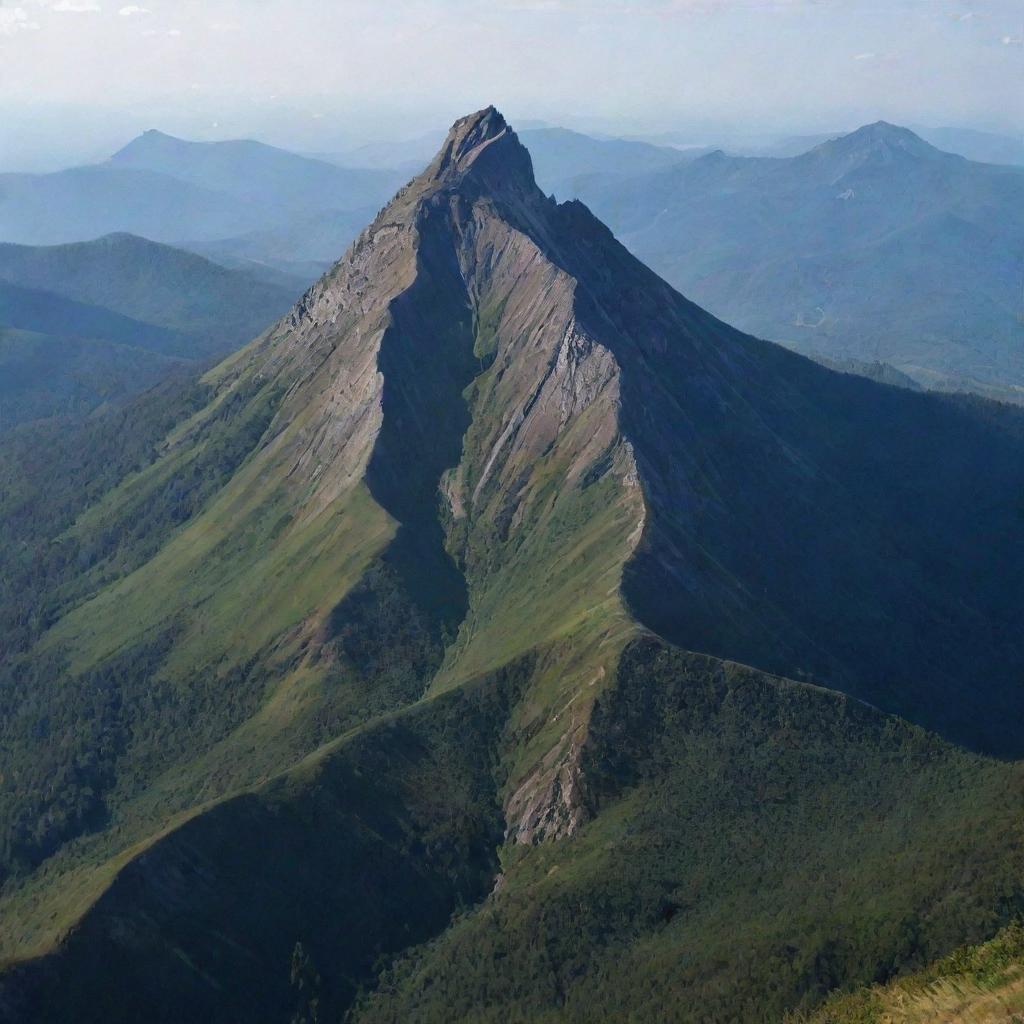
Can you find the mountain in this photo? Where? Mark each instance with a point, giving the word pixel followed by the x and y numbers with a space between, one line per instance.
pixel 874 246
pixel 85 202
pixel 304 248
pixel 45 375
pixel 499 636
pixel 560 156
pixel 89 322
pixel 307 246
pixel 172 190
pixel 258 174
pixel 44 312
pixel 985 147
pixel 211 309
pixel 411 155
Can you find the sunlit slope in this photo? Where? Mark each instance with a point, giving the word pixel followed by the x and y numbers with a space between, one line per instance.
pixel 981 984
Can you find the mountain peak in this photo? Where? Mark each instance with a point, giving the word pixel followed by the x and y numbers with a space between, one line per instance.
pixel 150 142
pixel 484 144
pixel 880 137
pixel 475 130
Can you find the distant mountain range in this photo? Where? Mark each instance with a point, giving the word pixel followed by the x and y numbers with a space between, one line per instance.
pixel 308 244
pixel 84 323
pixel 502 637
pixel 561 156
pixel 871 247
pixel 257 174
pixel 171 190
pixel 985 147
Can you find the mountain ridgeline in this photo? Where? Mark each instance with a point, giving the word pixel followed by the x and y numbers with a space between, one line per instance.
pixel 241 202
pixel 499 636
pixel 874 246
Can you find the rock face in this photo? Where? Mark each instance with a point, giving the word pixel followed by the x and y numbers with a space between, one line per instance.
pixel 497 450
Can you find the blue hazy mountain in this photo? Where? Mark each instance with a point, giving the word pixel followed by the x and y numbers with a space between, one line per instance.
pixel 560 156
pixel 874 246
pixel 257 173
pixel 171 190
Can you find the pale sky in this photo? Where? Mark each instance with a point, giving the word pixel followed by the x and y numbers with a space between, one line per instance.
pixel 80 77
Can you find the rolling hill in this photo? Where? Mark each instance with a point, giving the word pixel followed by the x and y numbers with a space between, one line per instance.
pixel 874 246
pixel 500 636
pixel 90 322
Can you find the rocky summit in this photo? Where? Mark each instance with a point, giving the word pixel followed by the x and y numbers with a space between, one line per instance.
pixel 502 632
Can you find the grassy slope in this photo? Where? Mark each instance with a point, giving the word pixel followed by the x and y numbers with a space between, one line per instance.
pixel 755 842
pixel 218 595
pixel 237 552
pixel 975 985
pixel 354 853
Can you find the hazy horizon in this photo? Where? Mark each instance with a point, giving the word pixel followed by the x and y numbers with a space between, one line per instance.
pixel 80 78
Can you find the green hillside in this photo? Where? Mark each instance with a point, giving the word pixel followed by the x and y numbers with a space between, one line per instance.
pixel 981 984
pixel 206 309
pixel 95 322
pixel 391 669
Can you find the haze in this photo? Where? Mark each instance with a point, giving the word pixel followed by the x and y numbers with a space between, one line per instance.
pixel 79 77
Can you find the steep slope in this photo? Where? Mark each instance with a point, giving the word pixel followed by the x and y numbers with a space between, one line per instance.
pixel 310 244
pixel 754 844
pixel 872 246
pixel 364 626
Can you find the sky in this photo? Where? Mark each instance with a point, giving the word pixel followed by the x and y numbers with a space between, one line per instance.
pixel 79 78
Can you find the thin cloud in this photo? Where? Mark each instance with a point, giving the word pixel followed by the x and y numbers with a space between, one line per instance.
pixel 132 9
pixel 14 20
pixel 76 7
